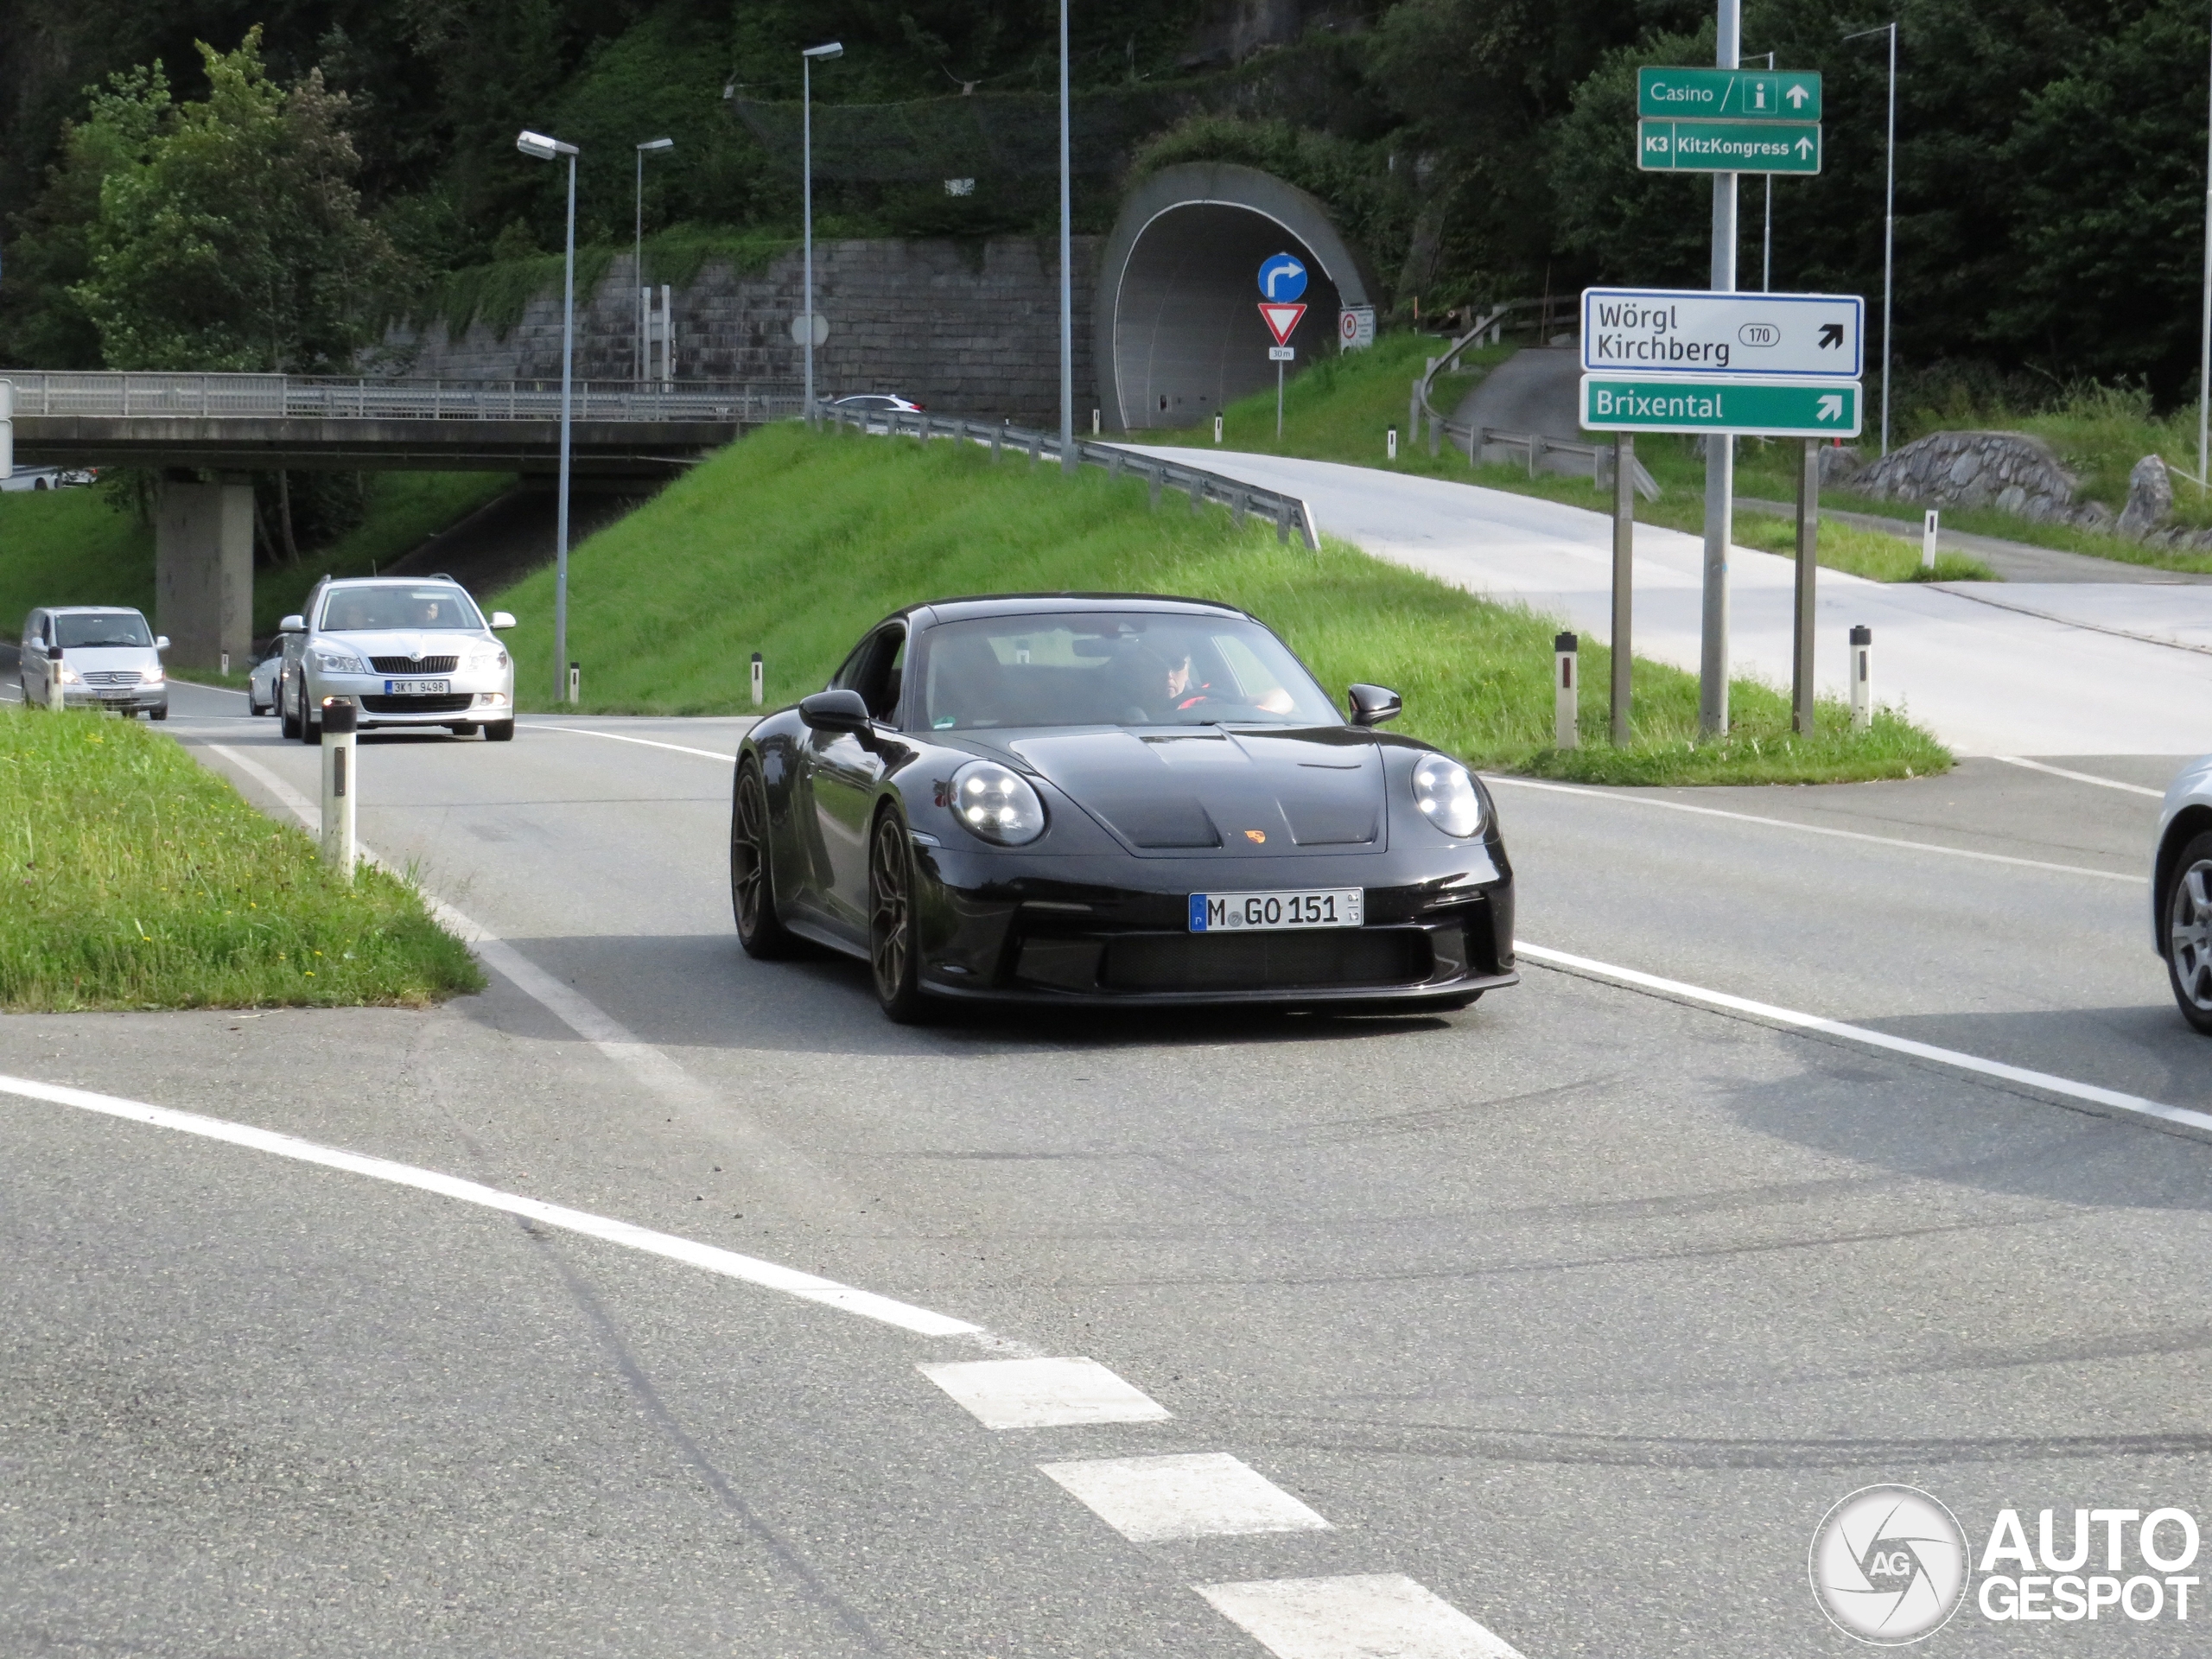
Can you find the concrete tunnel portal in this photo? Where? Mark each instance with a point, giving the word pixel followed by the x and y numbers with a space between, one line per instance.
pixel 1178 300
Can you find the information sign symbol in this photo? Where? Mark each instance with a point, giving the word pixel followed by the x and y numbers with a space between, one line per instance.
pixel 1282 278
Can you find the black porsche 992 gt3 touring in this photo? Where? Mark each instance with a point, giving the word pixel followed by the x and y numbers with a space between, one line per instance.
pixel 1114 799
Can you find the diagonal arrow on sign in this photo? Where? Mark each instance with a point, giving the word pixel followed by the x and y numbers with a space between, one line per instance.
pixel 1280 320
pixel 1830 407
pixel 1831 335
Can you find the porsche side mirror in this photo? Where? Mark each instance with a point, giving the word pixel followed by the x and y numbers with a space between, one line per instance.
pixel 502 620
pixel 836 711
pixel 293 625
pixel 1374 705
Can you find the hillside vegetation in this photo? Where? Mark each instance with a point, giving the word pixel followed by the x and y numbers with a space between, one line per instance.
pixel 792 543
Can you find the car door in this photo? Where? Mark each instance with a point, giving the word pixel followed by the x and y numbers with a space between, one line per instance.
pixel 838 775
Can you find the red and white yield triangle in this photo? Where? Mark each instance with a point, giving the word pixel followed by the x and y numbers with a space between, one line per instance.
pixel 1280 320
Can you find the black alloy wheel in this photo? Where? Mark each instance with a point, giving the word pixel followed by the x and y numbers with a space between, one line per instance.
pixel 2189 933
pixel 752 883
pixel 893 954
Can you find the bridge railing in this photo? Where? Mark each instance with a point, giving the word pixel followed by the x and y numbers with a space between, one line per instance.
pixel 115 395
pixel 1288 513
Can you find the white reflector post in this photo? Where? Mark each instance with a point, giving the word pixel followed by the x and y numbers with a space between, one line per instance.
pixel 1566 683
pixel 7 429
pixel 1862 678
pixel 339 786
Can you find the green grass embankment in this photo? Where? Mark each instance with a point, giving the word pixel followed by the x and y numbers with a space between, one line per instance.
pixel 132 878
pixel 72 547
pixel 791 544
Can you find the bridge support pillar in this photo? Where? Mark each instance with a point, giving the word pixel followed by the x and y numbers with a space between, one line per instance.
pixel 203 572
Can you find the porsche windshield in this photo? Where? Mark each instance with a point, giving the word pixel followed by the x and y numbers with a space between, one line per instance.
pixel 428 606
pixel 1104 668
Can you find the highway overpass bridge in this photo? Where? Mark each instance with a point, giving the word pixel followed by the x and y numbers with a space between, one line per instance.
pixel 185 426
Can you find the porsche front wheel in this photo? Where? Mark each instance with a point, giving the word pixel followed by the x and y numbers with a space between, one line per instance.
pixel 893 947
pixel 752 882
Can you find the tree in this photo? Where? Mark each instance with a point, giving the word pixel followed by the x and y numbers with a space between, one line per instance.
pixel 235 240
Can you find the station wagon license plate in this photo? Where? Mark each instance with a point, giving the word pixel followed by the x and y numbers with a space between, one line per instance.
pixel 416 688
pixel 1236 912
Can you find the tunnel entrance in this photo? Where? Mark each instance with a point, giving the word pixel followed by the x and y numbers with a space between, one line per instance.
pixel 1178 304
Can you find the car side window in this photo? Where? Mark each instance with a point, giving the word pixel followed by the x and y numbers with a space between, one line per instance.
pixel 883 696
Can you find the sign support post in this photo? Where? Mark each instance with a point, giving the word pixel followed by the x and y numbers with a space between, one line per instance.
pixel 1623 581
pixel 1719 447
pixel 1808 536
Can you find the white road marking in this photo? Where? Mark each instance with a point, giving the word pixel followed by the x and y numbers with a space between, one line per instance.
pixel 2088 1093
pixel 2079 777
pixel 1814 829
pixel 729 1264
pixel 646 742
pixel 647 1064
pixel 201 685
pixel 1200 1495
pixel 1043 1393
pixel 1374 1615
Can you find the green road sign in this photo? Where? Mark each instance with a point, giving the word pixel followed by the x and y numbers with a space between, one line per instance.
pixel 1728 146
pixel 1770 409
pixel 1728 94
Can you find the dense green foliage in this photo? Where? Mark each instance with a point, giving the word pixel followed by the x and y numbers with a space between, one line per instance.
pixel 2049 152
pixel 791 544
pixel 132 877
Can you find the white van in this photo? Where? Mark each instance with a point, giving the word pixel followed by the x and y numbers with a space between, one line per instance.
pixel 109 659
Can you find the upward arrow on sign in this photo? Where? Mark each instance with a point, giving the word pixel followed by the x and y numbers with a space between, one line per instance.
pixel 1280 320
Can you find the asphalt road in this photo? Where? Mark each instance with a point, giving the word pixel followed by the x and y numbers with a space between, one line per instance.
pixel 1577 1310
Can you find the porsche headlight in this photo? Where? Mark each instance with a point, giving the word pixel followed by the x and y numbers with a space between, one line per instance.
pixel 997 804
pixel 1445 795
pixel 338 662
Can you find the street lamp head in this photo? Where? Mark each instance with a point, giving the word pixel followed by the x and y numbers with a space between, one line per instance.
pixel 822 53
pixel 658 144
pixel 538 147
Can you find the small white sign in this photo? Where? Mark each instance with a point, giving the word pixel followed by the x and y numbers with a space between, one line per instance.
pixel 1694 332
pixel 1356 328
pixel 821 328
pixel 1282 354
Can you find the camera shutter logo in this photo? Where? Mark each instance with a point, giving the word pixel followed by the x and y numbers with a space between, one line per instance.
pixel 1889 1565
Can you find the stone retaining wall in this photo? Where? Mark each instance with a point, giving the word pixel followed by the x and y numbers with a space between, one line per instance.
pixel 962 328
pixel 2008 471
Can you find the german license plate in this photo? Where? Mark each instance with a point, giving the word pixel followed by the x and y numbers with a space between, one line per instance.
pixel 1248 912
pixel 416 688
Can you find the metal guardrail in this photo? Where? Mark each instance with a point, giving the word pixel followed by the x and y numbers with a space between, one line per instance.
pixel 115 394
pixel 1477 440
pixel 1286 512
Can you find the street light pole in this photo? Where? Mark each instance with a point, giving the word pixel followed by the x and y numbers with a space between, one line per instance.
pixel 1067 290
pixel 638 243
pixel 1719 447
pixel 1888 218
pixel 541 148
pixel 807 60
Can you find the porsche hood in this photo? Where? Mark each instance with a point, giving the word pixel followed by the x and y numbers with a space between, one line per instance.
pixel 1182 789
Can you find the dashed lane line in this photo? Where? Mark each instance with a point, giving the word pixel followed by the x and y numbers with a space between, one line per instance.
pixel 751 1270
pixel 1180 1495
pixel 2079 777
pixel 2089 1094
pixel 1037 1393
pixel 1353 1618
pixel 1815 829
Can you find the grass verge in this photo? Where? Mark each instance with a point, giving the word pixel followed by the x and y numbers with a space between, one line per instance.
pixel 130 877
pixel 791 544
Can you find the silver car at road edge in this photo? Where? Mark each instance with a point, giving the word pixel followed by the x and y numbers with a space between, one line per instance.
pixel 2181 891
pixel 407 651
